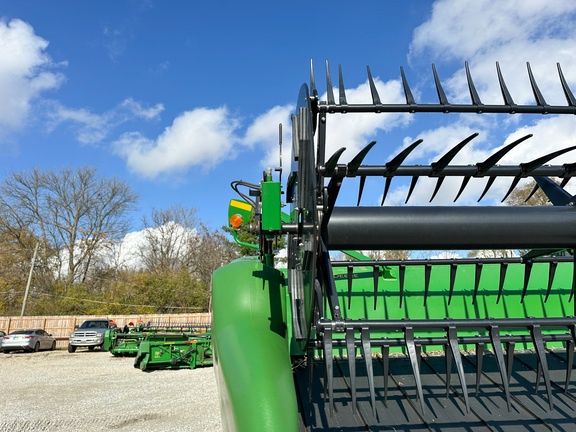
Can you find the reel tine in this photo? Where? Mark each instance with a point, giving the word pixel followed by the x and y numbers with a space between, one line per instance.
pixel 448 358
pixel 538 376
pixel 512 186
pixel 313 90
pixel 411 348
pixel 567 92
pixel 477 275
pixel 350 276
pixel 527 271
pixel 570 356
pixel 373 91
pixel 351 351
pixel 329 368
pixel 569 170
pixel 462 187
pixel 551 273
pixel 401 273
pixel 488 186
pixel 355 163
pixel 480 347
pixel 386 369
pixel 329 88
pixel 427 271
pixel 341 90
pixel 443 162
pixel 376 275
pixel 510 346
pixel 455 349
pixel 412 185
pixel 407 92
pixel 537 163
pixel 532 192
pixel 537 94
pixel 503 268
pixel 386 188
pixel 437 188
pixel 495 158
pixel 569 362
pixel 361 189
pixel 453 268
pixel 365 337
pixel 573 285
pixel 333 161
pixel 441 95
pixel 505 93
pixel 438 167
pixel 399 158
pixel 497 347
pixel 473 93
pixel 536 333
pixel 395 163
pixel 310 366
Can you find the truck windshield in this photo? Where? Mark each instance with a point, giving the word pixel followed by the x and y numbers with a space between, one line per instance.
pixel 94 324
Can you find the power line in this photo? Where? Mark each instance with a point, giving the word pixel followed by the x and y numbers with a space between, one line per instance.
pixel 117 304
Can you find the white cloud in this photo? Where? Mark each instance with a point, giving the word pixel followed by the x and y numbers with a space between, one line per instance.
pixel 264 132
pixel 202 137
pixel 138 110
pixel 355 130
pixel 127 253
pixel 466 29
pixel 483 32
pixel 24 72
pixel 511 32
pixel 92 128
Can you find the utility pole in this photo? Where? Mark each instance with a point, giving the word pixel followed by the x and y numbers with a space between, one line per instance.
pixel 29 279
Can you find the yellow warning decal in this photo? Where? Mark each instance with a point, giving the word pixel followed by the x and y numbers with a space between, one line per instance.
pixel 241 205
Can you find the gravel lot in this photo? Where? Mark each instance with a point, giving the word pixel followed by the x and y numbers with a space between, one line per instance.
pixel 95 391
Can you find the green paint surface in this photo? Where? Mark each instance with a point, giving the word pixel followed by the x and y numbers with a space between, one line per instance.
pixel 252 359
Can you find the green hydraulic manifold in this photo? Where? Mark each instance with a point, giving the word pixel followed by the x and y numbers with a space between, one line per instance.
pixel 319 307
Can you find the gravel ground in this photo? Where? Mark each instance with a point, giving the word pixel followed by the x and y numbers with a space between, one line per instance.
pixel 95 391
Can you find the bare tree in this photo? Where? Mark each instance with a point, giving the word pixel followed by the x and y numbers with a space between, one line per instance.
pixel 210 251
pixel 72 211
pixel 168 237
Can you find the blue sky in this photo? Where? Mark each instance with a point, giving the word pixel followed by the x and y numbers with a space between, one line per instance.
pixel 181 98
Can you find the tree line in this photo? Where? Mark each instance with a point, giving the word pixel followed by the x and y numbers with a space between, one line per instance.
pixel 80 222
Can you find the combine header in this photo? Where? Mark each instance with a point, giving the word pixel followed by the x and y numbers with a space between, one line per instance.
pixel 370 344
pixel 162 346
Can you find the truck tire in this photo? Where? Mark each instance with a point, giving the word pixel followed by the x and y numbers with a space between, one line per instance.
pixel 71 348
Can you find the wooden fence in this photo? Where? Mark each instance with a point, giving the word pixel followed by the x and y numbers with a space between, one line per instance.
pixel 61 326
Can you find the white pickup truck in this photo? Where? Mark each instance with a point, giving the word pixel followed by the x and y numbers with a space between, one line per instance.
pixel 90 334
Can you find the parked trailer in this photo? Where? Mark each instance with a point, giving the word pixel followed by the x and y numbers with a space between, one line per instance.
pixel 371 344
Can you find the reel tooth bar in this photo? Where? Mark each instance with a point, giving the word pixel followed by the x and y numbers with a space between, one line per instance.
pixel 413 300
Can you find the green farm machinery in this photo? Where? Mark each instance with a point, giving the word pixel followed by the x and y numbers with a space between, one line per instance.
pixel 172 350
pixel 371 344
pixel 158 345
